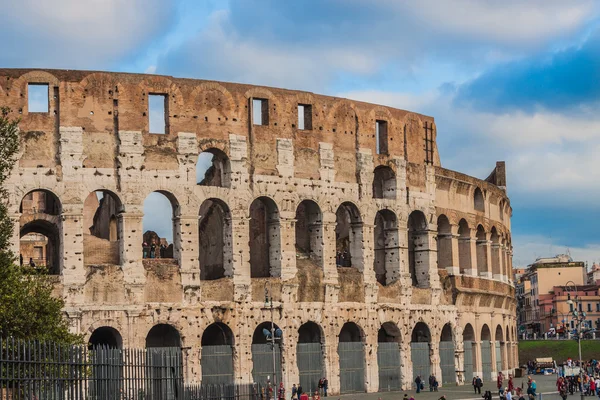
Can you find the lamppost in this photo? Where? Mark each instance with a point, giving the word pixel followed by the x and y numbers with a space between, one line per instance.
pixel 273 335
pixel 579 317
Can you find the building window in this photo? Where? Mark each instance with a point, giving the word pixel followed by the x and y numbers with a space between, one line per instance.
pixel 260 111
pixel 580 307
pixel 157 113
pixel 598 307
pixel 305 117
pixel 381 134
pixel 572 325
pixel 571 307
pixel 37 98
pixel 589 307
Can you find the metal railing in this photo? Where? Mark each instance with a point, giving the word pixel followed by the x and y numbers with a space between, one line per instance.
pixel 44 370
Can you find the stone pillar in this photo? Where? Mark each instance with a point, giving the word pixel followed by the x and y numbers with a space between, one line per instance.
pixel 238 156
pixel 484 256
pixel 326 158
pixel 330 273
pixel 477 361
pixel 364 162
pixel 132 237
pixel 242 362
pixel 406 364
pixel 71 249
pixel 188 257
pixel 431 258
pixel 371 364
pixel 287 235
pixel 291 372
pixel 494 359
pixel 495 252
pixel 332 363
pixel 434 358
pixel 459 358
pixel 192 357
pixel 240 258
pixel 453 239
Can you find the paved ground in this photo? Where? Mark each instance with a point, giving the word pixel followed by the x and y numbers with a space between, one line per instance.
pixel 546 386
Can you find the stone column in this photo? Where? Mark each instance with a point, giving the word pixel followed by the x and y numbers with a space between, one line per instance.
pixel 243 354
pixel 291 373
pixel 484 246
pixel 188 257
pixel 472 240
pixel 431 258
pixel 330 279
pixel 71 247
pixel 434 359
pixel 459 358
pixel 494 360
pixel 369 278
pixel 332 363
pixel 406 364
pixel 364 162
pixel 371 364
pixel 287 232
pixel 477 361
pixel 495 251
pixel 452 241
pixel 132 237
pixel 240 258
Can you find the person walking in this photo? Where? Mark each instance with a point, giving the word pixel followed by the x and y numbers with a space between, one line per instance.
pixel 294 392
pixel 479 384
pixel 431 381
pixel 474 383
pixel 511 385
pixel 281 392
pixel 325 386
pixel 499 381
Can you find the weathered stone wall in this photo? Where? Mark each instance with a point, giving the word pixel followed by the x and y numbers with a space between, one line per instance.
pixel 95 137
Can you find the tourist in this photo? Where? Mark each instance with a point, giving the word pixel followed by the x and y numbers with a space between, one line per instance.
pixel 294 392
pixel 21 260
pixel 303 396
pixel 478 384
pixel 507 394
pixel 316 395
pixel 487 395
pixel 431 382
pixel 435 384
pixel 325 386
pixel 145 250
pixel 299 390
pixel 474 383
pixel 563 389
pixel 31 263
pixel 511 385
pixel 163 250
pixel 418 383
pixel 499 381
pixel 281 393
pixel 153 249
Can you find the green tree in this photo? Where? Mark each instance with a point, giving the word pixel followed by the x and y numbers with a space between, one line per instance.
pixel 27 308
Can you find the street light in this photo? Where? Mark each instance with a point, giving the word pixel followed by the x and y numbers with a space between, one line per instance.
pixel 579 317
pixel 273 335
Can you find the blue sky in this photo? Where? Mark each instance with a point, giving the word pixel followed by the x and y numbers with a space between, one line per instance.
pixel 512 80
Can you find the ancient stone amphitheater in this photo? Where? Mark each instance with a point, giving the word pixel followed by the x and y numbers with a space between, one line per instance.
pixel 377 263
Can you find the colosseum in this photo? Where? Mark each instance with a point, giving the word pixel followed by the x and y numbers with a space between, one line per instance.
pixel 328 220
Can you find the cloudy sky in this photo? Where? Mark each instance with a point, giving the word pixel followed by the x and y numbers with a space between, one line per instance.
pixel 512 80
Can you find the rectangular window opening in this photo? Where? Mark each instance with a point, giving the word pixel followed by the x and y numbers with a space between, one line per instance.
pixel 382 137
pixel 37 98
pixel 305 117
pixel 157 113
pixel 589 306
pixel 260 112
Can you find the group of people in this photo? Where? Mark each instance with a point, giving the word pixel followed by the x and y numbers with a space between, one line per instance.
pixel 508 392
pixel 589 385
pixel 150 251
pixel 298 392
pixel 433 383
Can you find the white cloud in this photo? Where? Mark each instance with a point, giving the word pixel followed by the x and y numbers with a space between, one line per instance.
pixel 77 34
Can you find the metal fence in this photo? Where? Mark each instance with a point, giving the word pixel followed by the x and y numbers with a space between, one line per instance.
pixel 35 370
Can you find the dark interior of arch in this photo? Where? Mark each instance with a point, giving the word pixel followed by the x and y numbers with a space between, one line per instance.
pixel 309 333
pixel 263 234
pixel 350 333
pixel 469 333
pixel 384 183
pixel 478 200
pixel 446 333
pixel 213 169
pixel 421 333
pixel 213 227
pixel 385 243
pixel 346 215
pixel 417 225
pixel 163 335
pixel 499 336
pixel 485 333
pixel 105 208
pixel 258 337
pixel 217 334
pixel 106 336
pixel 308 226
pixel 40 201
pixel 52 247
pixel 389 332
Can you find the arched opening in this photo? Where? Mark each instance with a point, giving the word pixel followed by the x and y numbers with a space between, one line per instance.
pixel 163 335
pixel 102 228
pixel 482 256
pixel 478 201
pixel 499 345
pixel 164 362
pixel 213 169
pixel 469 360
pixel 388 357
pixel 40 244
pixel 496 266
pixel 348 236
pixel 384 183
pixel 464 247
pixel 420 346
pixel 386 262
pixel 486 353
pixel 107 337
pixel 447 356
pixel 214 234
pixel 501 206
pixel 217 355
pixel 160 227
pixel 444 242
pixel 418 249
pixel 262 354
pixel 309 231
pixel 352 359
pixel 265 240
pixel 310 356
